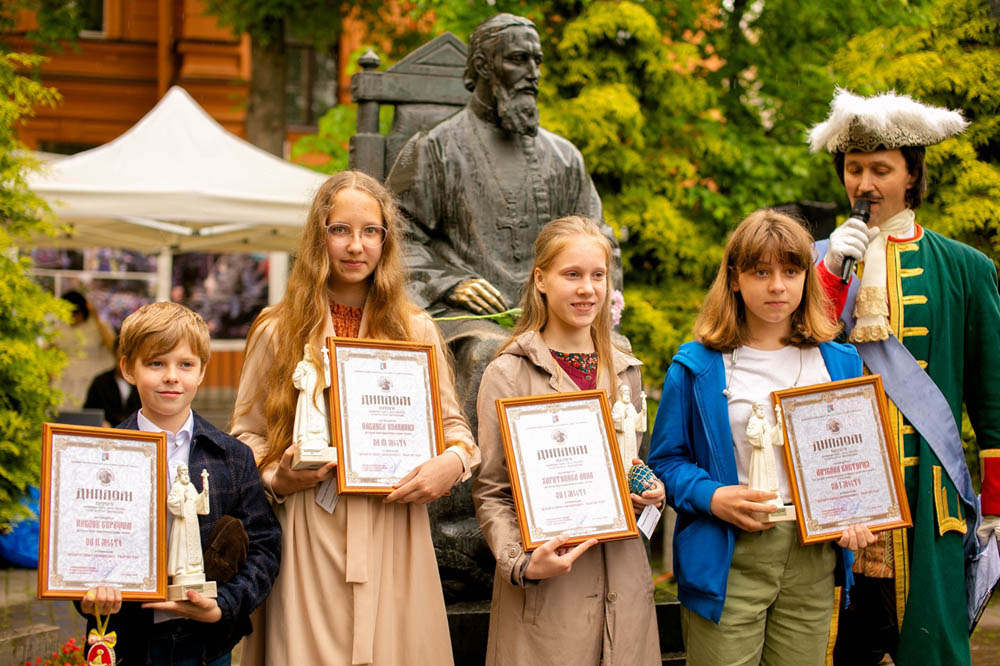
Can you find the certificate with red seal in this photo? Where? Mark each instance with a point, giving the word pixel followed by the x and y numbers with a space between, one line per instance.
pixel 103 512
pixel 841 457
pixel 566 473
pixel 385 411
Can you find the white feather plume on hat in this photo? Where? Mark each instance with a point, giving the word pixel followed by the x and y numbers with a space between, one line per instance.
pixel 885 121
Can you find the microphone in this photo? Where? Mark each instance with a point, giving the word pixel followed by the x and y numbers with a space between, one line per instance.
pixel 861 211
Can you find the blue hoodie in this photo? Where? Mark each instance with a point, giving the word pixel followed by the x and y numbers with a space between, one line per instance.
pixel 691 451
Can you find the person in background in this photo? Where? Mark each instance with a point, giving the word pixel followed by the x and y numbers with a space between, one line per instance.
pixel 88 344
pixel 113 394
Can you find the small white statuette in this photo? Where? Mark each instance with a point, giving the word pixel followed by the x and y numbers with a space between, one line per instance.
pixel 628 422
pixel 763 467
pixel 311 431
pixel 184 559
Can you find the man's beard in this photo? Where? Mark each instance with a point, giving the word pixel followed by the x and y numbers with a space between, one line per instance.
pixel 518 111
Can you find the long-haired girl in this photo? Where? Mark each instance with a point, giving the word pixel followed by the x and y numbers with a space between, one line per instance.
pixel 750 593
pixel 360 585
pixel 557 604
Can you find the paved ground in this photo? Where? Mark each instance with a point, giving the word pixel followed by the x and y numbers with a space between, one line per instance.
pixel 19 609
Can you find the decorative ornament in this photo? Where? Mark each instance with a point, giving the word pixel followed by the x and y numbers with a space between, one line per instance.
pixel 640 478
pixel 101 651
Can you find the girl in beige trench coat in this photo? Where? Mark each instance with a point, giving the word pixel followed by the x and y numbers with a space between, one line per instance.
pixel 359 585
pixel 592 604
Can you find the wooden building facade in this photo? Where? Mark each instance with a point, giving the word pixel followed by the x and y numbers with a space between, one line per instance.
pixel 117 71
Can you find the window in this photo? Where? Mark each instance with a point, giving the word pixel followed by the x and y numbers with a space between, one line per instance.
pixel 91 15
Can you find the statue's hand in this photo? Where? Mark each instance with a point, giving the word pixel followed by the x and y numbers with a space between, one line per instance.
pixel 477 295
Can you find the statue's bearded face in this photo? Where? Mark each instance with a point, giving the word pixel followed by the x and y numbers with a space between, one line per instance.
pixel 515 81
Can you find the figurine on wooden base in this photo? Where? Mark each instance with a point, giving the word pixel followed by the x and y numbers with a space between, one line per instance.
pixel 185 563
pixel 763 467
pixel 311 432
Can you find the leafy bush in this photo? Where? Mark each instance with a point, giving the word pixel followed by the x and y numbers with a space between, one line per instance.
pixel 27 312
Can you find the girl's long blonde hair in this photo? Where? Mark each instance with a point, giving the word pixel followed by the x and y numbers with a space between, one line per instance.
pixel 299 318
pixel 765 235
pixel 550 242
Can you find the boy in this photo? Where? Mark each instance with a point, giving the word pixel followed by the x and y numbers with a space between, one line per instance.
pixel 164 351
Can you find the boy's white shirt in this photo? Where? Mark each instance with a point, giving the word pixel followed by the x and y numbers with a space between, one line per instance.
pixel 178 453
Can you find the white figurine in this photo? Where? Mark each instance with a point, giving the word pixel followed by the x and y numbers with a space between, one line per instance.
pixel 763 467
pixel 627 423
pixel 311 431
pixel 186 503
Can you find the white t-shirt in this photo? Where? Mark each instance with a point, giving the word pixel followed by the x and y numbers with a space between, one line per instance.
pixel 757 374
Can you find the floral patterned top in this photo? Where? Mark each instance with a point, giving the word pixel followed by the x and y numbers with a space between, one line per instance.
pixel 581 368
pixel 346 320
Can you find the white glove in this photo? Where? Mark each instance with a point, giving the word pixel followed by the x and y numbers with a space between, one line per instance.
pixel 850 239
pixel 989 527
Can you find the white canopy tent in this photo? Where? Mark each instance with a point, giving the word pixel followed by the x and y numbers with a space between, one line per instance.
pixel 177 181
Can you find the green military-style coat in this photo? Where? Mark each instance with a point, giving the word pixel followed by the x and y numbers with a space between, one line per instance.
pixel 945 309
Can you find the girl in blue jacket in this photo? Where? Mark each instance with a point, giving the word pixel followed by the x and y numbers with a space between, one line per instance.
pixel 751 593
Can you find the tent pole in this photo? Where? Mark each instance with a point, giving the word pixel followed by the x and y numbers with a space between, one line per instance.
pixel 277 276
pixel 164 273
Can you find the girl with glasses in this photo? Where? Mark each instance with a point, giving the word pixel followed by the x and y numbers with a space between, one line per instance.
pixel 359 585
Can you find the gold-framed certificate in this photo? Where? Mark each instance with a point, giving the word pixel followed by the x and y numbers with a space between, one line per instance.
pixel 103 512
pixel 385 411
pixel 841 456
pixel 566 475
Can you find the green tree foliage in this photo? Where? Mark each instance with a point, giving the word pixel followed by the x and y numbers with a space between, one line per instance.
pixel 691 115
pixel 961 46
pixel 26 311
pixel 57 20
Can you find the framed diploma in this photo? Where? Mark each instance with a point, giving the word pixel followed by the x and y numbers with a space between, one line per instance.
pixel 103 512
pixel 842 459
pixel 566 474
pixel 385 411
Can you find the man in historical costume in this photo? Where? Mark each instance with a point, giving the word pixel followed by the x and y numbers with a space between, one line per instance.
pixel 925 313
pixel 479 186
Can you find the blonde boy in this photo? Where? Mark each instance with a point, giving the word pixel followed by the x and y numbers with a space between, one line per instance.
pixel 164 352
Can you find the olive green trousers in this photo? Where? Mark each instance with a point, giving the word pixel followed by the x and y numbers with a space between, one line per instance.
pixel 779 601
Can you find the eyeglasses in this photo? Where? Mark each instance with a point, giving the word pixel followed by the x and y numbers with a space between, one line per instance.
pixel 343 234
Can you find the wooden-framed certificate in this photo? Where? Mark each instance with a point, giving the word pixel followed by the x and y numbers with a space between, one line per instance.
pixel 842 459
pixel 385 411
pixel 566 475
pixel 103 512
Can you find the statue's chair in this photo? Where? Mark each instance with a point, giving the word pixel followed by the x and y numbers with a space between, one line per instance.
pixel 425 87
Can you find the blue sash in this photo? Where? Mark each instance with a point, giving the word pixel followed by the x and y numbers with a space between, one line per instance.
pixel 920 400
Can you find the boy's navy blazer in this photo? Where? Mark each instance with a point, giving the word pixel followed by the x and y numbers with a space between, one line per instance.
pixel 234 489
